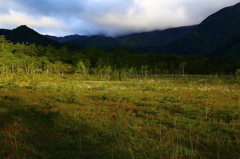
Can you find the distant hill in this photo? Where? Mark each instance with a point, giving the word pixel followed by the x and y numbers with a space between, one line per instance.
pixel 155 37
pixel 66 38
pixel 99 41
pixel 26 34
pixel 136 41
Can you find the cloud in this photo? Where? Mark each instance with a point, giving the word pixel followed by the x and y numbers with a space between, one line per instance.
pixel 199 10
pixel 146 16
pixel 14 19
pixel 111 17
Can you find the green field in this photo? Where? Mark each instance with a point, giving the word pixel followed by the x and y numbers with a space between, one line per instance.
pixel 168 117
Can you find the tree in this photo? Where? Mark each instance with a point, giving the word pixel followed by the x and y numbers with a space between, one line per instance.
pixel 144 70
pixel 46 65
pixel 119 62
pixel 237 73
pixel 26 62
pixel 131 71
pixel 115 75
pixel 69 68
pixel 100 63
pixel 7 61
pixel 108 71
pixel 3 41
pixel 123 75
pixel 81 68
pixel 65 56
pixel 49 52
pixel 59 67
pixel 87 63
pixel 182 66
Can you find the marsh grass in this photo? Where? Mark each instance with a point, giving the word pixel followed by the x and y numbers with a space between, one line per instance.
pixel 163 117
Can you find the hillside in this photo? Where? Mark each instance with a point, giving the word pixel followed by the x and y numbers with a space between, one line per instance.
pixel 155 37
pixel 139 41
pixel 99 41
pixel 26 34
pixel 213 31
pixel 228 50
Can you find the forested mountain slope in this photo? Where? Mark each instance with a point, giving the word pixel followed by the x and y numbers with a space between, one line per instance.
pixel 139 41
pixel 27 35
pixel 228 50
pixel 213 31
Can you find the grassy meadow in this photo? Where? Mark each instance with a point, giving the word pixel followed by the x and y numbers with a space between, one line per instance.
pixel 167 117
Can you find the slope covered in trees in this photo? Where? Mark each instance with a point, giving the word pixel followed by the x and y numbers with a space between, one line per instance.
pixel 141 42
pixel 228 50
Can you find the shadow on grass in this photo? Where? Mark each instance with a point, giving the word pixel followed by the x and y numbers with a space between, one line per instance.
pixel 28 131
pixel 34 131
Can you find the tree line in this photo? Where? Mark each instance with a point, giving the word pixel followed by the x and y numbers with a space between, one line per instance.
pixel 116 62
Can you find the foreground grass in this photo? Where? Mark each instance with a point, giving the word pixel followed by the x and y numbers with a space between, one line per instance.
pixel 164 117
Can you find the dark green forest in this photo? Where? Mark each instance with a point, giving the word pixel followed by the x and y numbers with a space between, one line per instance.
pixel 25 58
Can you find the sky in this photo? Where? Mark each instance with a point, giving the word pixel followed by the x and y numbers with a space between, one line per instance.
pixel 108 17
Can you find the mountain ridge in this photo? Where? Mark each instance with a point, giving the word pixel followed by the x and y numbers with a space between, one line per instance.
pixel 137 40
pixel 66 38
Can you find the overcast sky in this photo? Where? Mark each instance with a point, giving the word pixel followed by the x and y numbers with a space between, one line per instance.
pixel 109 17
